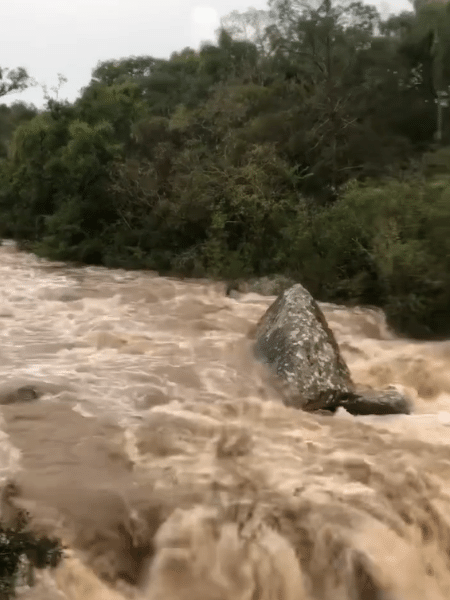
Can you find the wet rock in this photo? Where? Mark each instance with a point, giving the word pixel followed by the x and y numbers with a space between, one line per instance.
pixel 26 393
pixel 232 291
pixel 368 402
pixel 295 341
pixel 26 389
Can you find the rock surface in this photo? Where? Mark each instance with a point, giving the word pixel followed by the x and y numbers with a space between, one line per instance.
pixel 295 341
pixel 26 393
pixel 293 337
pixel 22 390
pixel 368 402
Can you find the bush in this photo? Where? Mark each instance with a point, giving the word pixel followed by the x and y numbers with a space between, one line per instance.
pixel 20 552
pixel 385 244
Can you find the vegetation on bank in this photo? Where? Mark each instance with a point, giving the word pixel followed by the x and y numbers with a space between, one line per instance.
pixel 21 552
pixel 305 142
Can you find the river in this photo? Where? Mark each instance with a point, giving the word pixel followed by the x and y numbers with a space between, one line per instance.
pixel 155 418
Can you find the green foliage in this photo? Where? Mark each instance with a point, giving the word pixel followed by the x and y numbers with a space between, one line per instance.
pixel 29 138
pixel 54 183
pixel 13 80
pixel 118 71
pixel 302 143
pixel 119 104
pixel 10 119
pixel 18 542
pixel 384 244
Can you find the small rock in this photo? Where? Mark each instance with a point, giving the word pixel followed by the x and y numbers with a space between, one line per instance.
pixel 370 402
pixel 27 393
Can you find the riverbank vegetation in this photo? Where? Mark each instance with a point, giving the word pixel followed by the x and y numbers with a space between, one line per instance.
pixel 22 551
pixel 305 141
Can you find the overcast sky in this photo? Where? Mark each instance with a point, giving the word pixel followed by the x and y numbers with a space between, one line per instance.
pixel 48 37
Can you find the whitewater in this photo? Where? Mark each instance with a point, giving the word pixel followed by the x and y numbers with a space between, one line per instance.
pixel 161 454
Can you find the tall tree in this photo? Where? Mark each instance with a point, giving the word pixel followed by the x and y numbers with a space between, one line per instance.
pixel 14 80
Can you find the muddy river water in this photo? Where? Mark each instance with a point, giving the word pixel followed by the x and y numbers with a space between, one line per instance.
pixel 161 455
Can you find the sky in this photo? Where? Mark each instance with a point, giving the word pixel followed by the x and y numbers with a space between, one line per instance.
pixel 48 37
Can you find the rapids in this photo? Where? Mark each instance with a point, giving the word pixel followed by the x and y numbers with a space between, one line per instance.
pixel 164 459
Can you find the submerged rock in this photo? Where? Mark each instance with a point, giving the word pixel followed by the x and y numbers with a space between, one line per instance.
pixel 293 338
pixel 374 402
pixel 368 402
pixel 19 390
pixel 26 393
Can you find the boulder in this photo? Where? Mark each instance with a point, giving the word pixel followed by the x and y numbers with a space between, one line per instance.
pixel 294 340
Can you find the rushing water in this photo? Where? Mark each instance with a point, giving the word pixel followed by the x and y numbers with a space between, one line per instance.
pixel 155 418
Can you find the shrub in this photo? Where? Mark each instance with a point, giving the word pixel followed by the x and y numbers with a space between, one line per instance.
pixel 20 552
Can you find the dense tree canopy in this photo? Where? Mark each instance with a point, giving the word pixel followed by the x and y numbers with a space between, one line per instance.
pixel 307 140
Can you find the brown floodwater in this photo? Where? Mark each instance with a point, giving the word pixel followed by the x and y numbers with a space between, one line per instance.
pixel 161 455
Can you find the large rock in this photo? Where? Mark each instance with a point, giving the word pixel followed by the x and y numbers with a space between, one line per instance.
pixel 295 341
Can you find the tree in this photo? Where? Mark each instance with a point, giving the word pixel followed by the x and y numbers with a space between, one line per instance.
pixel 249 26
pixel 56 88
pixel 10 118
pixel 118 71
pixel 14 80
pixel 428 49
pixel 236 159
